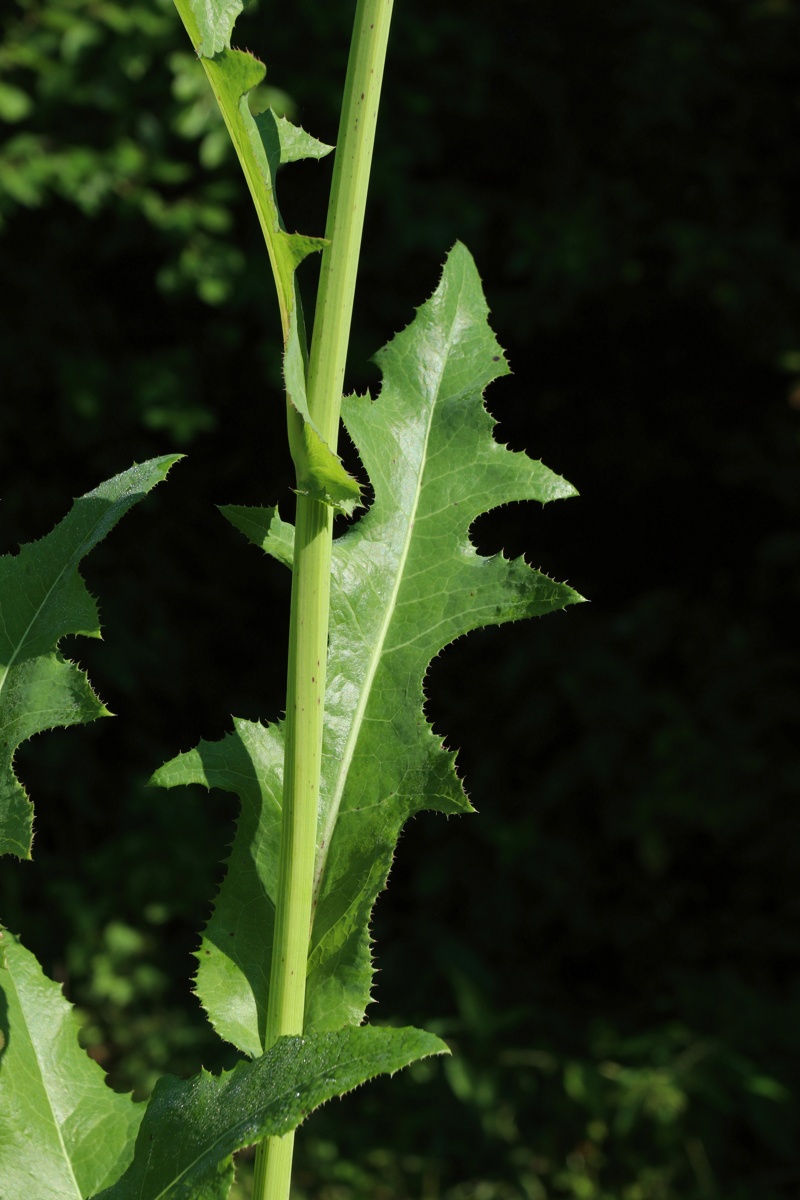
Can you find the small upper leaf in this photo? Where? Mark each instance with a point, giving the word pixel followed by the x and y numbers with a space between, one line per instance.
pixel 64 1134
pixel 262 143
pixel 192 1128
pixel 42 599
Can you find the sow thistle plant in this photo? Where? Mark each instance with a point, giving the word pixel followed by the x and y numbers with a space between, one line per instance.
pixel 285 962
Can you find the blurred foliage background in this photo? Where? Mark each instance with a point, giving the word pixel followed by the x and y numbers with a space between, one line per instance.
pixel 611 945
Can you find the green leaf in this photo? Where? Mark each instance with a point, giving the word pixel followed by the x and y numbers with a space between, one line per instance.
pixel 192 1129
pixel 262 143
pixel 264 527
pixel 285 142
pixel 215 20
pixel 42 599
pixel 320 473
pixel 64 1134
pixel 295 143
pixel 237 942
pixel 405 582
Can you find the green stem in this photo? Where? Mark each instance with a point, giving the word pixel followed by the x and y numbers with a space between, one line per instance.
pixel 308 631
pixel 346 214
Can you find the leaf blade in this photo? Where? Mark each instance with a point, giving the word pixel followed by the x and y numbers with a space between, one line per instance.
pixel 405 582
pixel 42 600
pixel 215 20
pixel 264 528
pixel 427 446
pixel 262 144
pixel 237 939
pixel 192 1128
pixel 63 1133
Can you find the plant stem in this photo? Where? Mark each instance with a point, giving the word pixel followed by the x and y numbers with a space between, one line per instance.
pixel 346 214
pixel 308 629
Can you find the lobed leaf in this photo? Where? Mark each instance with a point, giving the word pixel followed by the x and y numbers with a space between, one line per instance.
pixel 405 582
pixel 64 1134
pixel 42 599
pixel 192 1128
pixel 235 954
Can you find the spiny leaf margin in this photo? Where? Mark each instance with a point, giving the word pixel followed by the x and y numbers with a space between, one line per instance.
pixel 192 1128
pixel 427 446
pixel 215 20
pixel 405 582
pixel 64 1134
pixel 42 600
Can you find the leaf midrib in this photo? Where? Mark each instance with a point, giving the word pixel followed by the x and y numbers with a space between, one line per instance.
pixel 347 1059
pixel 326 835
pixel 70 565
pixel 42 1078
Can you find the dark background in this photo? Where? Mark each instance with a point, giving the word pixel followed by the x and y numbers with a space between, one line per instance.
pixel 611 945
